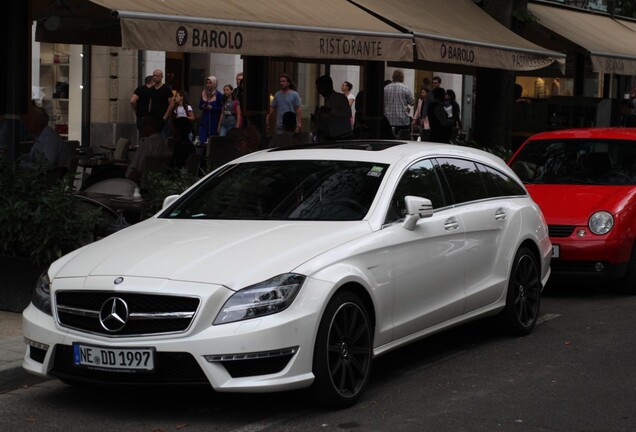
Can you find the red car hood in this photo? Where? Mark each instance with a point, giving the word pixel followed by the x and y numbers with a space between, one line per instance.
pixel 574 204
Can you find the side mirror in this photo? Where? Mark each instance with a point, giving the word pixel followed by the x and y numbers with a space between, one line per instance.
pixel 167 201
pixel 416 208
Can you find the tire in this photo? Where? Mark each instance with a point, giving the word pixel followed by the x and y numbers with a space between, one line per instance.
pixel 523 299
pixel 343 352
pixel 627 285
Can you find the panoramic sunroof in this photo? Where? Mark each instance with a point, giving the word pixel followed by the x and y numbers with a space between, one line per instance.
pixel 365 145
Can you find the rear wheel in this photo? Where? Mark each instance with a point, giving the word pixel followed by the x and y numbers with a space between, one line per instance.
pixel 342 355
pixel 524 294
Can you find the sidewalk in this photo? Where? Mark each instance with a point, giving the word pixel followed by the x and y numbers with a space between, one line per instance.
pixel 12 349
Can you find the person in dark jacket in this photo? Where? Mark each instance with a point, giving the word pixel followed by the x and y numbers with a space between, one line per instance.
pixel 450 101
pixel 441 124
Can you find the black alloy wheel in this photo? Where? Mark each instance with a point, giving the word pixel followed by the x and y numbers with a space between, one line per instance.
pixel 343 352
pixel 524 294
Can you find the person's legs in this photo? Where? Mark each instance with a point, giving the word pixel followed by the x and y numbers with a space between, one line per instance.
pixel 203 133
pixel 139 122
pixel 167 128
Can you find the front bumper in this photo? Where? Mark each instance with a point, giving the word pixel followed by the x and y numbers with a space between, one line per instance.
pixel 265 354
pixel 599 260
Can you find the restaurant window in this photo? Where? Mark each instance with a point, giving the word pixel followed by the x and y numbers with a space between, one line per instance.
pixel 545 87
pixel 57 85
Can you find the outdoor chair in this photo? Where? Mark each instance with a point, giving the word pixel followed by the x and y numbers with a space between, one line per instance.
pixel 113 186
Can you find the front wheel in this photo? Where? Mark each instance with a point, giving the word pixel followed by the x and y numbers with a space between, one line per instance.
pixel 343 352
pixel 524 294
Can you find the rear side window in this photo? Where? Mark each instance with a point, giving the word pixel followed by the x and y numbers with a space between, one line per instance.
pixel 499 184
pixel 464 179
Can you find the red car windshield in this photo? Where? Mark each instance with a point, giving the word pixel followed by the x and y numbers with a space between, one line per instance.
pixel 577 161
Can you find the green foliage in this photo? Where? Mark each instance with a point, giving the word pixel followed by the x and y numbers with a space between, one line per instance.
pixel 39 220
pixel 158 186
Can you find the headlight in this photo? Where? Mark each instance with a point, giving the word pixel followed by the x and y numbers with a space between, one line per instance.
pixel 265 298
pixel 42 295
pixel 601 222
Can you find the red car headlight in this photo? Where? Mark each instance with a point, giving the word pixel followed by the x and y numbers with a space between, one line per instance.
pixel 601 222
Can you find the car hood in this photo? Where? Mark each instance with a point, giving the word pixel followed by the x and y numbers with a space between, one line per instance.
pixel 230 253
pixel 574 204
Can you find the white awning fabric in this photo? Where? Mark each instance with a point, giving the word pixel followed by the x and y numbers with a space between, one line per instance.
pixel 324 29
pixel 611 43
pixel 460 32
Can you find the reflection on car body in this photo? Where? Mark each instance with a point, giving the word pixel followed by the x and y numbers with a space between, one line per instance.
pixel 295 268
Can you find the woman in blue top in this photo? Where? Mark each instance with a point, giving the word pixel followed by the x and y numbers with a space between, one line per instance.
pixel 211 105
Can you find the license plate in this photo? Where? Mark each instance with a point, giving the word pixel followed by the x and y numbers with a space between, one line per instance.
pixel 115 359
pixel 555 251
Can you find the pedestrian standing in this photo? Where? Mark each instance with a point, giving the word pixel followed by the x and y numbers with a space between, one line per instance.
pixel 346 88
pixel 161 101
pixel 398 99
pixel 140 100
pixel 182 107
pixel 239 95
pixel 441 124
pixel 420 118
pixel 211 104
pixel 333 119
pixel 286 99
pixel 231 114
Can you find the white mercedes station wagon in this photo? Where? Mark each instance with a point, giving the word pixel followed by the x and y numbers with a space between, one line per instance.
pixel 296 267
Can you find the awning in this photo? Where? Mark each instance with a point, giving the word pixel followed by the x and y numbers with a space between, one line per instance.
pixel 629 24
pixel 611 43
pixel 322 29
pixel 74 22
pixel 459 32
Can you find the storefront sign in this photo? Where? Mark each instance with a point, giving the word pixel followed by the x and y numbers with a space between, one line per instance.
pixel 260 41
pixel 440 51
pixel 613 65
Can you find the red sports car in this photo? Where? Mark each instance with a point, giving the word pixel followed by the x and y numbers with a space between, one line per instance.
pixel 584 180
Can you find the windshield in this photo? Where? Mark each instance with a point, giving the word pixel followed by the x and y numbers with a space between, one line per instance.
pixel 577 161
pixel 321 190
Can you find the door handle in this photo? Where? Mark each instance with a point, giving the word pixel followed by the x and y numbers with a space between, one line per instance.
pixel 500 215
pixel 451 224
